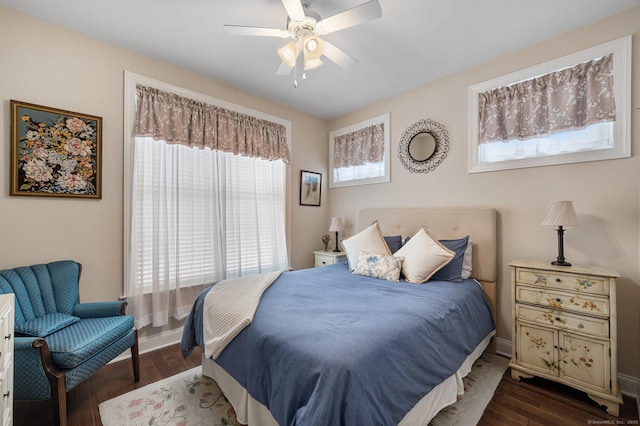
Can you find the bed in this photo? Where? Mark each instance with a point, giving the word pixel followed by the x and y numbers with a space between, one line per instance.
pixel 327 346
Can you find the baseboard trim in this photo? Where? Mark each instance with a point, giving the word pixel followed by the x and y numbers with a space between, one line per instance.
pixel 629 386
pixel 151 343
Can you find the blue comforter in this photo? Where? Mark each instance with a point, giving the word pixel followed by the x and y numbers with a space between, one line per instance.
pixel 328 347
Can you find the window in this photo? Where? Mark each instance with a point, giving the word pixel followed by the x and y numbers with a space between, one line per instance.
pixel 600 139
pixel 194 216
pixel 359 154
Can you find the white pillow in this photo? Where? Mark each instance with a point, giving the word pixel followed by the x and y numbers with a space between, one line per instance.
pixel 369 240
pixel 379 266
pixel 423 256
pixel 466 261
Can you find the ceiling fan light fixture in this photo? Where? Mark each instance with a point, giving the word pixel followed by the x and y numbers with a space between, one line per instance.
pixel 310 64
pixel 313 48
pixel 288 53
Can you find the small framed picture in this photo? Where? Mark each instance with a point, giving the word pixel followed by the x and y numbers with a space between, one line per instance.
pixel 310 187
pixel 55 153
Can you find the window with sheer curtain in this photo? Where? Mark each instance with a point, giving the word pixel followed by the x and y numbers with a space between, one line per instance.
pixel 359 154
pixel 572 109
pixel 202 208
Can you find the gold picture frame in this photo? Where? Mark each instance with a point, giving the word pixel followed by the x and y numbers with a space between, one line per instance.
pixel 55 153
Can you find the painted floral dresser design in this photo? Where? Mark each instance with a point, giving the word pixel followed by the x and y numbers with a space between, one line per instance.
pixel 564 321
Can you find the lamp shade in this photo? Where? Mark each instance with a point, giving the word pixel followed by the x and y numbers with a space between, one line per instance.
pixel 288 53
pixel 336 224
pixel 310 64
pixel 561 213
pixel 313 48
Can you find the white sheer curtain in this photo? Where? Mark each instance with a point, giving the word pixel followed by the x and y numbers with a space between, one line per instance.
pixel 199 216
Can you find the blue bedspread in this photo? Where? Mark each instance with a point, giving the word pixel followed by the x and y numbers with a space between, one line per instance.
pixel 328 347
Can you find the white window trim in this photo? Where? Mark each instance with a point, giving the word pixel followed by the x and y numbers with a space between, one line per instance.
pixel 384 119
pixel 621 49
pixel 131 79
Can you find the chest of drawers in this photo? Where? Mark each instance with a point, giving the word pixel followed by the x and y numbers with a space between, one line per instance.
pixel 6 358
pixel 564 327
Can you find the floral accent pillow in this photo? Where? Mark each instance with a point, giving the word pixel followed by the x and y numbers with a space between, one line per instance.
pixel 379 266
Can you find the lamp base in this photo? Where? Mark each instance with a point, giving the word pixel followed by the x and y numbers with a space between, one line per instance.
pixel 560 263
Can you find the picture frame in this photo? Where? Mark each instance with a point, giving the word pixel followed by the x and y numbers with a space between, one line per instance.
pixel 310 188
pixel 54 152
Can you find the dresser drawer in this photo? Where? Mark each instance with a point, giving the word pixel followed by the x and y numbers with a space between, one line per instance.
pixel 560 281
pixel 595 327
pixel 581 303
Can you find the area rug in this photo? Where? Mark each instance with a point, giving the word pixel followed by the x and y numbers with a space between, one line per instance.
pixel 189 399
pixel 479 386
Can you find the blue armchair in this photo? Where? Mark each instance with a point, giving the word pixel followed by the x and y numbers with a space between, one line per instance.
pixel 60 342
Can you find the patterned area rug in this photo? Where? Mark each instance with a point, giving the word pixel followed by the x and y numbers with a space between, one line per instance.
pixel 189 398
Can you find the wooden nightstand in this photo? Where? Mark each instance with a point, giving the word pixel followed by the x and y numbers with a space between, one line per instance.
pixel 564 327
pixel 324 258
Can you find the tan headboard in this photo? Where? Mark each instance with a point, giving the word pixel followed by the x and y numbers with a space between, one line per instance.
pixel 445 223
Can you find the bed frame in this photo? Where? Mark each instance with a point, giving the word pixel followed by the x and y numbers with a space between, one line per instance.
pixel 444 223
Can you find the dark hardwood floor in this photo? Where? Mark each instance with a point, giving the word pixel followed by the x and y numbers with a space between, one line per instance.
pixel 532 402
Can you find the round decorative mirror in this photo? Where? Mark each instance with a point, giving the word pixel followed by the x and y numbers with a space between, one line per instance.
pixel 423 146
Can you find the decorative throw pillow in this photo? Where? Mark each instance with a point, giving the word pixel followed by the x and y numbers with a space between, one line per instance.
pixel 466 261
pixel 452 271
pixel 379 266
pixel 46 324
pixel 393 242
pixel 369 240
pixel 423 256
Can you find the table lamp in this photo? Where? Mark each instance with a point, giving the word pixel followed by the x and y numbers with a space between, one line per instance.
pixel 560 213
pixel 336 226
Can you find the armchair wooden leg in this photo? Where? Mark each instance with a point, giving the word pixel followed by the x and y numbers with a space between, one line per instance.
pixel 135 359
pixel 57 380
pixel 59 400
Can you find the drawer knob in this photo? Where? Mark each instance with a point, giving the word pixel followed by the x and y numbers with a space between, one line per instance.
pixel 557 318
pixel 558 280
pixel 558 300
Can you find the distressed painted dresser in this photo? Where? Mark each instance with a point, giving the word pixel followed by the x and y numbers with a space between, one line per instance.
pixel 564 327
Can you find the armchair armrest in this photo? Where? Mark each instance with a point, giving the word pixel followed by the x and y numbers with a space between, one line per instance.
pixel 30 354
pixel 99 309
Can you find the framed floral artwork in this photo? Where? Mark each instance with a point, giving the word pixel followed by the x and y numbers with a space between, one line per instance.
pixel 310 187
pixel 55 153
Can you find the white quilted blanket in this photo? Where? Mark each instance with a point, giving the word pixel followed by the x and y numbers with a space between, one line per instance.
pixel 229 307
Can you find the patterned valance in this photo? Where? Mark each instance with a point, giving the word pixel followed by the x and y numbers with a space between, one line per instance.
pixel 360 147
pixel 568 99
pixel 177 120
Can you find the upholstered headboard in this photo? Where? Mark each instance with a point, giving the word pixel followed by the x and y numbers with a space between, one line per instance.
pixel 448 223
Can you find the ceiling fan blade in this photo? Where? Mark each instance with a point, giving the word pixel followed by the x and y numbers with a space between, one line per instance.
pixel 294 9
pixel 338 56
pixel 284 69
pixel 255 31
pixel 357 15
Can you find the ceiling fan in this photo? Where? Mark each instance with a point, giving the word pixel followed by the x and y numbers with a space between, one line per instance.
pixel 305 26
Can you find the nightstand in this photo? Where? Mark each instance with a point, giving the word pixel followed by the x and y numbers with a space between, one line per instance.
pixel 564 327
pixel 324 258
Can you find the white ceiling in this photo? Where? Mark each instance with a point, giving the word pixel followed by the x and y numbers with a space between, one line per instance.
pixel 415 41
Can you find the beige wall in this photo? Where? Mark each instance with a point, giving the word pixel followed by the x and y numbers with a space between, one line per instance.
pixel 50 66
pixel 605 193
